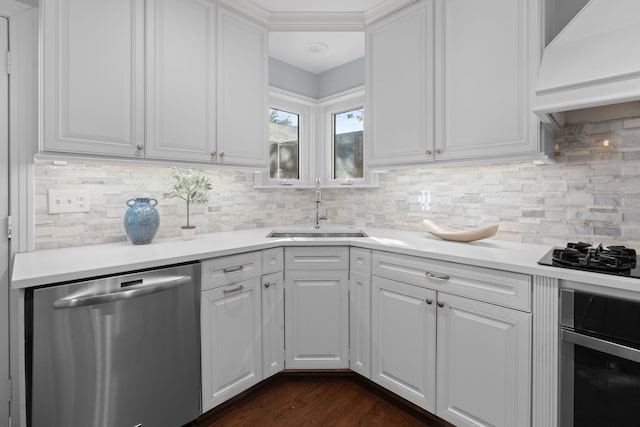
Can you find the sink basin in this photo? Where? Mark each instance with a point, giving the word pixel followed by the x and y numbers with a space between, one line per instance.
pixel 317 233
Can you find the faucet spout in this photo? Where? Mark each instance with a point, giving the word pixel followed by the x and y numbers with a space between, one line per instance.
pixel 318 216
pixel 318 191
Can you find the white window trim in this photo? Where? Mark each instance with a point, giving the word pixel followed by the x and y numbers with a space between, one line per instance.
pixel 331 107
pixel 316 138
pixel 303 107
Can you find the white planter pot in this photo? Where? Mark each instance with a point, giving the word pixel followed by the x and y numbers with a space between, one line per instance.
pixel 187 233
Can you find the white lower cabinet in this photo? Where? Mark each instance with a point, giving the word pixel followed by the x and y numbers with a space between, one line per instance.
pixel 360 323
pixel 316 282
pixel 272 323
pixel 426 330
pixel 435 344
pixel 317 311
pixel 484 363
pixel 403 340
pixel 231 340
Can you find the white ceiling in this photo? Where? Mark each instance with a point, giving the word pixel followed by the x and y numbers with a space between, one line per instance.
pixel 301 49
pixel 296 24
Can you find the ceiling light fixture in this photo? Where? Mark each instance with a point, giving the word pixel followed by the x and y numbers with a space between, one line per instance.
pixel 317 47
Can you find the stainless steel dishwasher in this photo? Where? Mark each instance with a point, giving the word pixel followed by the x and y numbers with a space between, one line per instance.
pixel 119 351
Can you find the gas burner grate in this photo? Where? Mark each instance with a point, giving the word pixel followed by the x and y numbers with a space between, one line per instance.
pixel 584 256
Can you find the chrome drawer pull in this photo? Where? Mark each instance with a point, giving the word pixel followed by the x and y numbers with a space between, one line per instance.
pixel 233 269
pixel 429 301
pixel 437 276
pixel 228 291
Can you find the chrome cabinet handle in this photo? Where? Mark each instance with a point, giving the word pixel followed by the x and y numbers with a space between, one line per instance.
pixel 436 276
pixel 429 301
pixel 139 147
pixel 222 155
pixel 440 304
pixel 229 291
pixel 213 155
pixel 428 152
pixel 147 287
pixel 233 269
pixel 438 151
pixel 267 284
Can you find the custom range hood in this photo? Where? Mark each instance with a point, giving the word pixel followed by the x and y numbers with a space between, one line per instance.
pixel 593 62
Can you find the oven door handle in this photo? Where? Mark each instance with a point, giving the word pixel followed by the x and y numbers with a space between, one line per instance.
pixel 153 286
pixel 598 344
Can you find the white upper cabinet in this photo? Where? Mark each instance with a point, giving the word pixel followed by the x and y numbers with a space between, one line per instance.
pixel 93 76
pixel 181 79
pixel 453 80
pixel 399 88
pixel 242 91
pixel 484 67
pixel 163 79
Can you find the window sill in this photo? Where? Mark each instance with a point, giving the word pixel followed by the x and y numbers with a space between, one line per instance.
pixel 261 180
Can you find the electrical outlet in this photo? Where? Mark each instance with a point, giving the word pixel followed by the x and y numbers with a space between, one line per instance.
pixel 68 201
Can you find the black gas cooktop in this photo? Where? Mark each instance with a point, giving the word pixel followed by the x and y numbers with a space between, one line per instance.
pixel 617 260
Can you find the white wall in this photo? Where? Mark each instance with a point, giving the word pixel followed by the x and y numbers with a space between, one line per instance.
pixel 336 80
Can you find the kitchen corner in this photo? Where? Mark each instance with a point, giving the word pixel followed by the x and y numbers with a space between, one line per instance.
pixel 494 271
pixel 307 248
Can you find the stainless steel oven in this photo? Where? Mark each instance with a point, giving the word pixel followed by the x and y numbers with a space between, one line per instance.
pixel 600 361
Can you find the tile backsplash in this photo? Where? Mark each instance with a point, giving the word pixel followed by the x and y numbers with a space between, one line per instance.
pixel 590 193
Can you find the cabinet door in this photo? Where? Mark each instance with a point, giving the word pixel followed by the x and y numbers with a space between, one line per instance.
pixel 93 76
pixel 360 323
pixel 272 324
pixel 484 79
pixel 403 340
pixel 317 316
pixel 231 341
pixel 484 363
pixel 181 80
pixel 399 89
pixel 242 91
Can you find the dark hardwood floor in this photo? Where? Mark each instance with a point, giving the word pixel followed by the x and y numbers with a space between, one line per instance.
pixel 295 399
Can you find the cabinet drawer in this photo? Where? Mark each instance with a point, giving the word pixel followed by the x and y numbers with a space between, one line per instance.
pixel 317 258
pixel 230 269
pixel 272 260
pixel 360 260
pixel 484 284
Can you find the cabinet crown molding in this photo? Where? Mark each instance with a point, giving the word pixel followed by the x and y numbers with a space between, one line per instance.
pixel 296 20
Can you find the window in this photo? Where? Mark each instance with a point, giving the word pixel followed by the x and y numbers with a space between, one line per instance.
pixel 316 138
pixel 347 141
pixel 284 144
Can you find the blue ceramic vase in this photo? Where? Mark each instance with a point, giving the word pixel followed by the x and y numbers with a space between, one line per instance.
pixel 141 221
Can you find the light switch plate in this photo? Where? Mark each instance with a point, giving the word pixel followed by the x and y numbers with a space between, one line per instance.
pixel 68 201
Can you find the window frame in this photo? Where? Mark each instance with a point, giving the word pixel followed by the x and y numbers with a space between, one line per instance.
pixel 280 100
pixel 337 106
pixel 316 139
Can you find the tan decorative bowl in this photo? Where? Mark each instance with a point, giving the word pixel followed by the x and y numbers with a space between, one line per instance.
pixel 448 233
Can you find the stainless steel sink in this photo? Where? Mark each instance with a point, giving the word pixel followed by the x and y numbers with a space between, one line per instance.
pixel 317 233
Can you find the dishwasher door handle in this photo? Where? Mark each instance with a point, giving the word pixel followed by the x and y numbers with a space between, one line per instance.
pixel 155 285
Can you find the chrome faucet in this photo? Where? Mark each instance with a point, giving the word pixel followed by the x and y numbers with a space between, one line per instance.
pixel 318 217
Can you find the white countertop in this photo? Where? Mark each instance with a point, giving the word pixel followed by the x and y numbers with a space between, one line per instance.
pixel 62 265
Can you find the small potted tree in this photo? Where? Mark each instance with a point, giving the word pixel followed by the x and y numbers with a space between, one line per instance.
pixel 193 188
